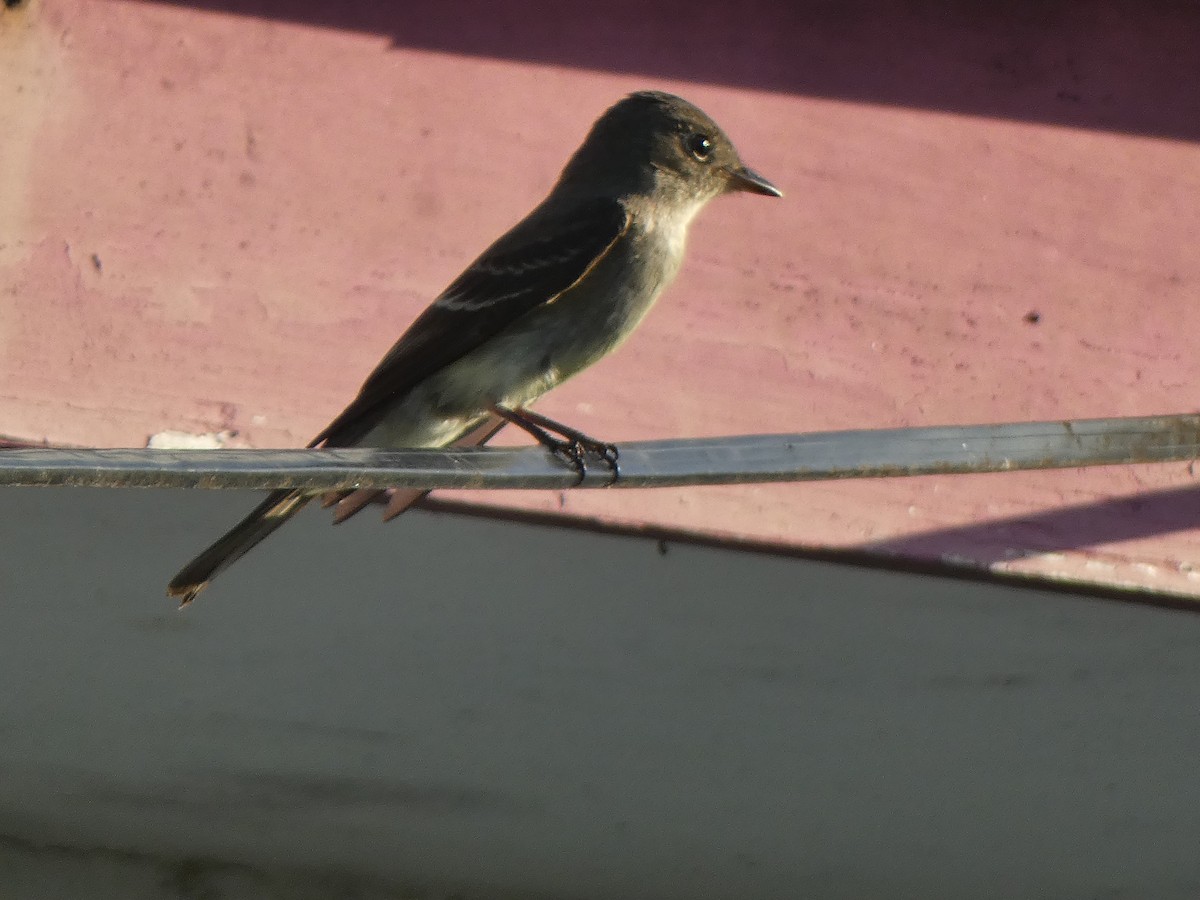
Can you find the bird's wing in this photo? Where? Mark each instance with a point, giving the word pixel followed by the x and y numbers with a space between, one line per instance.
pixel 535 262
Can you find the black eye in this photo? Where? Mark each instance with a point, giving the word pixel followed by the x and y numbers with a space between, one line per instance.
pixel 700 146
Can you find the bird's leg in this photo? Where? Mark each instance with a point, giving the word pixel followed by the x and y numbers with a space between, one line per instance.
pixel 571 445
pixel 610 453
pixel 570 452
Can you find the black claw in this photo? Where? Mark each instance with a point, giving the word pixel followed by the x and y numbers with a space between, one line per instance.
pixel 572 453
pixel 606 453
pixel 610 454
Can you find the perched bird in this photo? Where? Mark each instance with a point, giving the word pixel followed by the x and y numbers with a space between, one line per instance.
pixel 561 289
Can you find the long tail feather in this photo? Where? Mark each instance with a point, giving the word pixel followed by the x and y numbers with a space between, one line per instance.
pixel 277 508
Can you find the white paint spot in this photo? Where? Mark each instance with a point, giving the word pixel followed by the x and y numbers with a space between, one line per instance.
pixel 185 440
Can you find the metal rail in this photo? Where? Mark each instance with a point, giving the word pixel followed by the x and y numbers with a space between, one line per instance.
pixel 726 460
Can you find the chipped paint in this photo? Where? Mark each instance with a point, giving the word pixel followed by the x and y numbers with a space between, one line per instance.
pixel 183 440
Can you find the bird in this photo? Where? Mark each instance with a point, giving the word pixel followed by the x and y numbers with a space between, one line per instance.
pixel 562 288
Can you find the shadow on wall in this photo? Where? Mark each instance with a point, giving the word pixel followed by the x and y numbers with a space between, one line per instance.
pixel 1115 65
pixel 1148 515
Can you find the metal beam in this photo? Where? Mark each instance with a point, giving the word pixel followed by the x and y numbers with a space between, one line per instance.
pixel 725 460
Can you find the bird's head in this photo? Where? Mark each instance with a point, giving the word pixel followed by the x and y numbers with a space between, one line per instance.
pixel 651 135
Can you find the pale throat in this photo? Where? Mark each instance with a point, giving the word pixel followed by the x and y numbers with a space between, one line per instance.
pixel 669 222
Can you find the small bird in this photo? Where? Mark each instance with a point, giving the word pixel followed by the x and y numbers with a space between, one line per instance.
pixel 565 286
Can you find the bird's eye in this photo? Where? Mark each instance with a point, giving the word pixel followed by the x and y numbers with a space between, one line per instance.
pixel 700 146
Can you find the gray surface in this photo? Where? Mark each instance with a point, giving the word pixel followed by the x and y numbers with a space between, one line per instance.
pixel 503 710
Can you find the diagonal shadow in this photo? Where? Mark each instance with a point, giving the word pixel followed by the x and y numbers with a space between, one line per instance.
pixel 1117 65
pixel 1148 515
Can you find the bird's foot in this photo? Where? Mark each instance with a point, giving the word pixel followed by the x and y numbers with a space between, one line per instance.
pixel 575 452
pixel 568 444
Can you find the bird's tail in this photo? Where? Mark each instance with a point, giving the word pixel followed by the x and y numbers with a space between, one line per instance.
pixel 277 508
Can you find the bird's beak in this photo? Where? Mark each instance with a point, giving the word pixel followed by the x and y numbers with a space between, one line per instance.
pixel 744 179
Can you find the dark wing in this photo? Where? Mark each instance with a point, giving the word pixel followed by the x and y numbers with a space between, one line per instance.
pixel 532 264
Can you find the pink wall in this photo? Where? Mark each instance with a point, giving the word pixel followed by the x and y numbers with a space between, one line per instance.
pixel 217 216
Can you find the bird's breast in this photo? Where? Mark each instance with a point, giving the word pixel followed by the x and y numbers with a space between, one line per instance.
pixel 612 299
